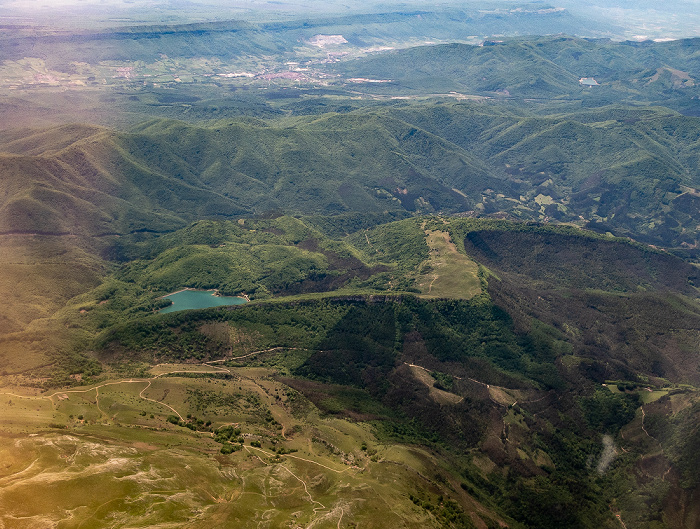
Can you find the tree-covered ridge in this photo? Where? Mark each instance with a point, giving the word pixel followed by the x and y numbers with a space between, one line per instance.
pixel 629 171
pixel 258 258
pixel 555 271
pixel 288 256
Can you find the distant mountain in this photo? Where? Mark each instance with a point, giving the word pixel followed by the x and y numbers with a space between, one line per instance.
pixel 550 68
pixel 232 39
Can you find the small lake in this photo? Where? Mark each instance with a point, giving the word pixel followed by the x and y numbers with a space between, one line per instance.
pixel 199 299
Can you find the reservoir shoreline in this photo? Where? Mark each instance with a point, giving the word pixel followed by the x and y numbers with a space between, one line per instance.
pixel 190 298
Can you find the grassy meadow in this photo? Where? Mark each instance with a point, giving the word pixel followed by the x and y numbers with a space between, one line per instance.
pixel 447 273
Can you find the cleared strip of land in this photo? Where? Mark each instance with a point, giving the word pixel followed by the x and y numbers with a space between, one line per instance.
pixel 447 273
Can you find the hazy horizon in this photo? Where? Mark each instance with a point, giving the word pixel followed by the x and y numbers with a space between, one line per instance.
pixel 635 20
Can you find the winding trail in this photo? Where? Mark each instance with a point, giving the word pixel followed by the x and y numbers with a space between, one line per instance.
pixel 318 464
pixel 644 415
pixel 368 242
pixel 97 401
pixel 661 447
pixel 503 391
pixel 306 490
pixel 157 401
pixel 249 448
pixel 62 394
pixel 10 479
pixel 619 517
pixel 246 355
pixel 487 386
pixel 428 370
pixel 316 510
pixel 430 286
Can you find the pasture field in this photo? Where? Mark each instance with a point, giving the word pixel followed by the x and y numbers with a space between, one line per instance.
pixel 447 273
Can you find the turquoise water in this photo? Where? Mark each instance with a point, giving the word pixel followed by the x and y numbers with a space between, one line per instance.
pixel 199 299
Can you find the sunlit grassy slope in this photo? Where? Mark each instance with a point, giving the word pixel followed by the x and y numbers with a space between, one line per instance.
pixel 447 273
pixel 305 469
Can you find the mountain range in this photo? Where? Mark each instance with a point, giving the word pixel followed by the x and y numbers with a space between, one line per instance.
pixel 470 270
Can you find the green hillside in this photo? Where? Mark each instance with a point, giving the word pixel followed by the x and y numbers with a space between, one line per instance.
pixel 578 342
pixel 629 171
pixel 471 291
pixel 96 191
